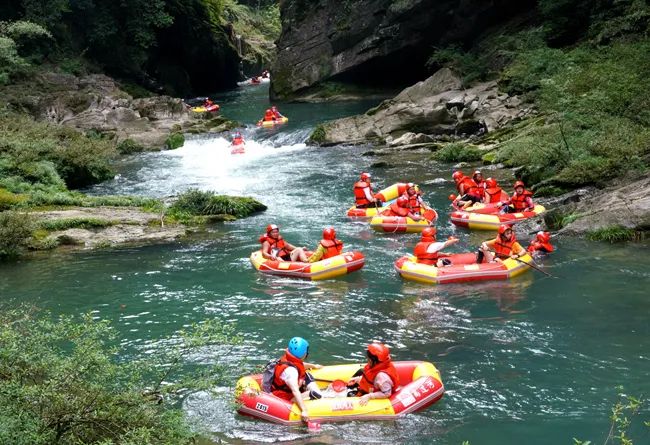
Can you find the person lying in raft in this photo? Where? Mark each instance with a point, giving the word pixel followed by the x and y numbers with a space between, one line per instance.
pixel 541 243
pixel 378 379
pixel 501 248
pixel 468 191
pixel 363 196
pixel 328 247
pixel 274 247
pixel 291 381
pixel 401 208
pixel 520 201
pixel 429 251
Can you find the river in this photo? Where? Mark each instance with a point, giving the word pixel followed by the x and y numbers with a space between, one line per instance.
pixel 533 360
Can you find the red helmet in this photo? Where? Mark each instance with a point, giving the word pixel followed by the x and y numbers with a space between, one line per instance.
pixel 271 227
pixel 429 234
pixel 544 237
pixel 458 175
pixel 379 351
pixel 491 183
pixel 329 233
pixel 402 201
pixel 519 184
pixel 365 176
pixel 503 228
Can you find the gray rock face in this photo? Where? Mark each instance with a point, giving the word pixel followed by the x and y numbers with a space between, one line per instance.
pixel 95 102
pixel 323 39
pixel 435 106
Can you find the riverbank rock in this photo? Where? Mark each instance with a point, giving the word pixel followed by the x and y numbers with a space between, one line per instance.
pixel 436 106
pixel 96 103
pixel 381 42
pixel 112 226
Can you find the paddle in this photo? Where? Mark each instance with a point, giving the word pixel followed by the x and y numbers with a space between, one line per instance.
pixel 536 268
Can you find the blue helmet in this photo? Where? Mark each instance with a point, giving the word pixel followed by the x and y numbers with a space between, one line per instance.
pixel 298 347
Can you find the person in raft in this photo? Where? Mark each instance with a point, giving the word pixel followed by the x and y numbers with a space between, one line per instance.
pixel 493 192
pixel 274 247
pixel 208 102
pixel 363 196
pixel 268 116
pixel 541 243
pixel 477 177
pixel 415 203
pixel 520 201
pixel 501 248
pixel 238 139
pixel 328 247
pixel 378 379
pixel 276 112
pixel 468 191
pixel 428 250
pixel 291 381
pixel 401 208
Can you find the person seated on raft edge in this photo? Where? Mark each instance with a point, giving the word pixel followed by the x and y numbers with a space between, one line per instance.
pixel 238 139
pixel 401 208
pixel 276 112
pixel 541 243
pixel 492 191
pixel 363 196
pixel 520 201
pixel 328 247
pixel 468 192
pixel 378 379
pixel 428 250
pixel 501 248
pixel 291 381
pixel 268 116
pixel 274 247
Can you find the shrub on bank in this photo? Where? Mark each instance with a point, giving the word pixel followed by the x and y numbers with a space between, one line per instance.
pixel 15 231
pixel 204 203
pixel 458 152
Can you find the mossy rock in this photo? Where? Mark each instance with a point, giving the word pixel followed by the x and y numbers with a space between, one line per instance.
pixel 318 136
pixel 174 141
pixel 128 146
pixel 489 158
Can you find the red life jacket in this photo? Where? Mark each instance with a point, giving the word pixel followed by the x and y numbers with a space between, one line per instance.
pixel 422 255
pixel 414 203
pixel 237 141
pixel 503 248
pixel 395 210
pixel 537 245
pixel 367 382
pixel 494 194
pixel 269 116
pixel 332 248
pixel 275 244
pixel 287 360
pixel 470 187
pixel 360 194
pixel 519 201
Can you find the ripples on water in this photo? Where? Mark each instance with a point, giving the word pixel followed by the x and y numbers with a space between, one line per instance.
pixel 534 359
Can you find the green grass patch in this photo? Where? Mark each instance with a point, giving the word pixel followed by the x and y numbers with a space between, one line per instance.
pixel 614 234
pixel 75 223
pixel 458 152
pixel 206 203
pixel 174 141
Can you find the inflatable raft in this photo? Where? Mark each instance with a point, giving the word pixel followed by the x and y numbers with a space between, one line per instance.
pixel 237 149
pixel 463 268
pixel 269 124
pixel 487 217
pixel 250 81
pixel 421 386
pixel 333 267
pixel 401 224
pixel 202 109
pixel 386 195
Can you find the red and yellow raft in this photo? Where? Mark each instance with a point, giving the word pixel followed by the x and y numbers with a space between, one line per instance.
pixel 272 123
pixel 386 195
pixel 463 268
pixel 238 149
pixel 487 217
pixel 420 387
pixel 333 267
pixel 401 224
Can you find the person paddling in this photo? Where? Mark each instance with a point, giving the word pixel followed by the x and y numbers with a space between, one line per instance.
pixel 501 248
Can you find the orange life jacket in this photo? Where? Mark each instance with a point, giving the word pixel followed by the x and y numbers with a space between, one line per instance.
pixel 269 116
pixel 287 360
pixel 275 244
pixel 237 141
pixel 395 210
pixel 494 194
pixel 537 245
pixel 367 382
pixel 414 203
pixel 503 248
pixel 360 194
pixel 422 255
pixel 469 187
pixel 519 201
pixel 332 248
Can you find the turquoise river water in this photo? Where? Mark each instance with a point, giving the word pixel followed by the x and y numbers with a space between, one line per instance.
pixel 534 360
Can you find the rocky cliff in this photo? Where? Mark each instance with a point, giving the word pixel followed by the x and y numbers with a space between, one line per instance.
pixel 376 41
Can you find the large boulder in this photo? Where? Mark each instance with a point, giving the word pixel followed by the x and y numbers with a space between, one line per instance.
pixel 380 41
pixel 436 106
